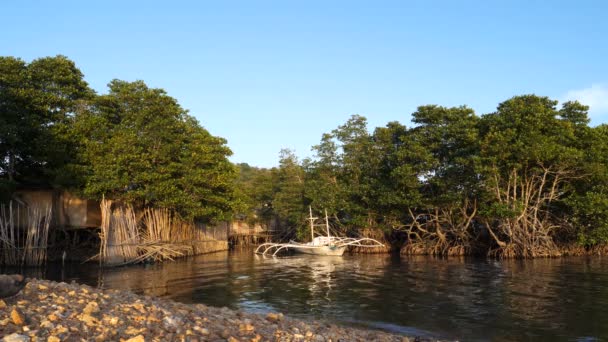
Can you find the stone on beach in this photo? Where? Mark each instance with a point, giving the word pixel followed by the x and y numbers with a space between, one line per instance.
pixel 15 338
pixel 49 311
pixel 11 284
pixel 17 317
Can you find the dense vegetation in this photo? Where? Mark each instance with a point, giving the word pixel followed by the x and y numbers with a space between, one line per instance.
pixel 134 144
pixel 522 181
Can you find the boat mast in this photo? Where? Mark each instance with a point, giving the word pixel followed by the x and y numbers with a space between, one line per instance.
pixel 327 222
pixel 312 224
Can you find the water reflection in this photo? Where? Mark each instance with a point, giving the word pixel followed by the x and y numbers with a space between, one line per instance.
pixel 545 299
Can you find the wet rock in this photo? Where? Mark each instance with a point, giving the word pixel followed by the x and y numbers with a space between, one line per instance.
pixel 11 284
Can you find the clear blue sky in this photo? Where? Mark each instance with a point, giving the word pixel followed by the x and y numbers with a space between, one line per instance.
pixel 268 75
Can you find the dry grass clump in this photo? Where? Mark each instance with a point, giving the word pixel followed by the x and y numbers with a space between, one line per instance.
pixel 159 235
pixel 24 234
pixel 119 234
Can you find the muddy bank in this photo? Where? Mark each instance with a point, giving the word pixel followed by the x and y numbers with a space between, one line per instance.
pixel 50 311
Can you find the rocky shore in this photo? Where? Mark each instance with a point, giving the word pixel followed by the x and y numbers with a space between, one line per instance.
pixel 50 311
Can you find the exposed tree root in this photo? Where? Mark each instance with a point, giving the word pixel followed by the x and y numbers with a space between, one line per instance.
pixel 376 235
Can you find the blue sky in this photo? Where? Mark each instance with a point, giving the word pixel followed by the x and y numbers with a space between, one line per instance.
pixel 268 75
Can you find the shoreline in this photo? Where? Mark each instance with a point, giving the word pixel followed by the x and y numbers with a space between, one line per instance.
pixel 52 311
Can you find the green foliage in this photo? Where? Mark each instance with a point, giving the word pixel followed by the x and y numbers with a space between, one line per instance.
pixel 527 172
pixel 289 201
pixel 450 136
pixel 254 193
pixel 139 146
pixel 587 202
pixel 528 130
pixel 590 213
pixel 37 101
pixel 528 167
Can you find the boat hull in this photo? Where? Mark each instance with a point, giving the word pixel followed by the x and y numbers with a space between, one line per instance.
pixel 321 250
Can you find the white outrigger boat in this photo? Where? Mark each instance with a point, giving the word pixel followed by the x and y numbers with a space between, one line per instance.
pixel 319 245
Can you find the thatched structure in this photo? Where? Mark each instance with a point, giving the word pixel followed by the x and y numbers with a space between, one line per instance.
pixel 24 233
pixel 153 234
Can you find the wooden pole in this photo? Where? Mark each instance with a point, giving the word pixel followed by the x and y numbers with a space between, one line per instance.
pixel 326 222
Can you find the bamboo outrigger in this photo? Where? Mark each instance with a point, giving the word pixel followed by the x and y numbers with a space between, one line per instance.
pixel 320 245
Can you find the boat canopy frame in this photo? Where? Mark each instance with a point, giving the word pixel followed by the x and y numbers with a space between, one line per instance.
pixel 273 248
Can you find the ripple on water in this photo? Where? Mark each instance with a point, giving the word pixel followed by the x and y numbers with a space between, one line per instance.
pixel 460 298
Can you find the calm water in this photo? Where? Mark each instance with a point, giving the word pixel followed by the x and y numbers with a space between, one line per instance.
pixel 556 299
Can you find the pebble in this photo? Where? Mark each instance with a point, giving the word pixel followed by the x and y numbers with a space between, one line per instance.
pixel 246 327
pixel 138 338
pixel 59 312
pixel 17 317
pixel 91 308
pixel 274 317
pixel 202 331
pixel 89 320
pixel 15 338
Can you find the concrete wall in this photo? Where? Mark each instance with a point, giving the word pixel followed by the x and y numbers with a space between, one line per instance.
pixel 75 212
pixel 67 210
pixel 243 228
